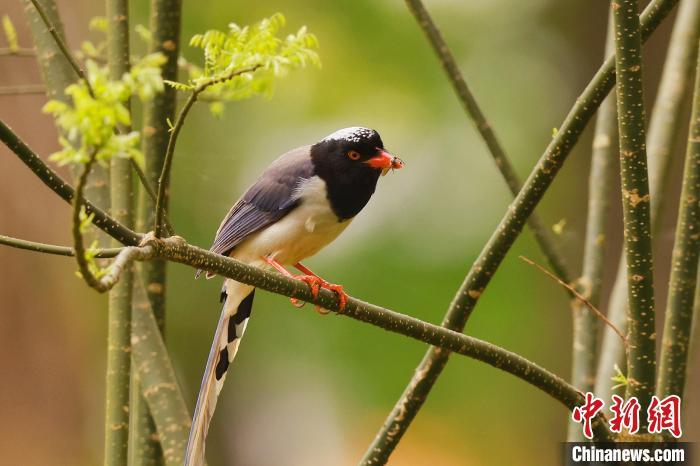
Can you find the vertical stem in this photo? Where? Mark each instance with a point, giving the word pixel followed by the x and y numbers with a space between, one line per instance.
pixel 119 315
pixel 600 183
pixel 641 333
pixel 679 308
pixel 165 30
pixel 664 128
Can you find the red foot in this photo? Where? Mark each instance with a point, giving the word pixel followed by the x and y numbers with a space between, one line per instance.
pixel 316 283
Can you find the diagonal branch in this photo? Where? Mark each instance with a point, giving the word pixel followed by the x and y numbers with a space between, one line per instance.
pixel 494 252
pixel 62 44
pixel 175 249
pixel 164 179
pixel 58 185
pixel 539 229
pixel 63 47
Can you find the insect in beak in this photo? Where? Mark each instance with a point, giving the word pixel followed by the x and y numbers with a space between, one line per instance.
pixel 384 161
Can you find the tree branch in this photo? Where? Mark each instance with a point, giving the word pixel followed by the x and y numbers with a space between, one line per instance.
pixel 663 128
pixel 56 250
pixel 164 179
pixel 53 180
pixel 538 227
pixel 24 89
pixel 82 75
pixel 600 190
pixel 684 272
pixel 176 249
pixel 124 258
pixel 20 52
pixel 641 332
pixel 498 245
pixel 57 37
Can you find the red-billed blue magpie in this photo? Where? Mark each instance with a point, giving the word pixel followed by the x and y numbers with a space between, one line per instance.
pixel 300 203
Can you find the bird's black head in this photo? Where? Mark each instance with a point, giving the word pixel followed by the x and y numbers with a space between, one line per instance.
pixel 350 161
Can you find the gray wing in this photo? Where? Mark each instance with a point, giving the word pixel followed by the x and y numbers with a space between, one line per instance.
pixel 269 199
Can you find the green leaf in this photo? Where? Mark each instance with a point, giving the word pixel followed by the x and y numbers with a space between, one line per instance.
pixel 99 24
pixel 10 33
pixel 144 33
pixel 244 61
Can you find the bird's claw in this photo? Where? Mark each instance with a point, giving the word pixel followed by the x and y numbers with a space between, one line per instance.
pixel 315 284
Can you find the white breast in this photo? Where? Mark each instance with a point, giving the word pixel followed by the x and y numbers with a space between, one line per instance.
pixel 300 234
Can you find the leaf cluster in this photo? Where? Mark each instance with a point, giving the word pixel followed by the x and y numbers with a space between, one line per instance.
pixel 99 107
pixel 244 61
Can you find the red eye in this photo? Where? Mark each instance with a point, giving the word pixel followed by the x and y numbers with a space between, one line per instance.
pixel 354 155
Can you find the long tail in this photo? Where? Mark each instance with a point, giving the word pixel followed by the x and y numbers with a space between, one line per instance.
pixel 238 302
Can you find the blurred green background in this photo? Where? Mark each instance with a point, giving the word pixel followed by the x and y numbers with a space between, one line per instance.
pixel 307 389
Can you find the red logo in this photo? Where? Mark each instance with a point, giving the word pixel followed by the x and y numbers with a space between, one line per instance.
pixel 662 415
pixel 587 412
pixel 625 414
pixel 665 415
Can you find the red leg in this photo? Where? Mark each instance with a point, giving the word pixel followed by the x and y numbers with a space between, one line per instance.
pixel 337 289
pixel 314 281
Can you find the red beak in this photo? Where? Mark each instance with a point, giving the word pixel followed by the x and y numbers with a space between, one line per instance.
pixel 384 160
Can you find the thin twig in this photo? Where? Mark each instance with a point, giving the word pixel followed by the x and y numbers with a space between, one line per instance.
pixel 19 52
pixel 576 294
pixel 164 179
pixel 53 249
pixel 641 331
pixel 62 46
pixel 123 259
pixel 78 245
pixel 24 89
pixel 484 268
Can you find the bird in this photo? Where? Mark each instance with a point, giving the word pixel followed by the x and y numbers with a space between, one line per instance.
pixel 300 203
